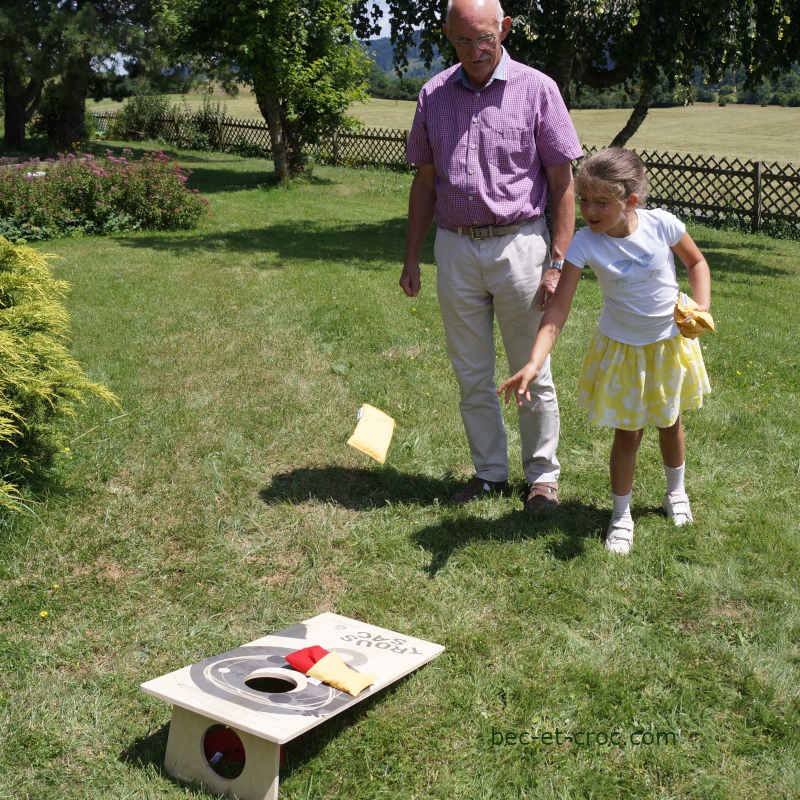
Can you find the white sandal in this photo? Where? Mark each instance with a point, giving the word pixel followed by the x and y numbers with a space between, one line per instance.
pixel 676 506
pixel 619 536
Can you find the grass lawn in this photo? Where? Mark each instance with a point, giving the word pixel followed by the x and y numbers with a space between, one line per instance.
pixel 223 505
pixel 767 133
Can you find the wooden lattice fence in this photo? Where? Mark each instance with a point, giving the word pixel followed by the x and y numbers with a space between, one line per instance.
pixel 102 120
pixel 200 130
pixel 757 194
pixel 364 147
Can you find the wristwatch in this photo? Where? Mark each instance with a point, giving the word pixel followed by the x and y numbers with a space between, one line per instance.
pixel 557 264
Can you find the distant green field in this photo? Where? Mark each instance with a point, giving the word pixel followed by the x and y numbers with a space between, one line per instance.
pixel 748 132
pixel 766 133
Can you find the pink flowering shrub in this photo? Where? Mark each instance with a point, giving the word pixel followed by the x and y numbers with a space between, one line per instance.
pixel 82 194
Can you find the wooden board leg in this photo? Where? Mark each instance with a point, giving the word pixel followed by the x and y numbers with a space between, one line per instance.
pixel 185 759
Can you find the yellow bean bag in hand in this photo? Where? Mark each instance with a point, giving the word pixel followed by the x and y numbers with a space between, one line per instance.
pixel 690 320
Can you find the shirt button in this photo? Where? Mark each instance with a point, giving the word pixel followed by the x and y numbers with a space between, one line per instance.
pixel 474 120
pixel 473 147
pixel 470 172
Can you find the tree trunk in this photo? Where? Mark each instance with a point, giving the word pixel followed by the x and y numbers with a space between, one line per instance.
pixel 20 101
pixel 637 117
pixel 14 117
pixel 69 127
pixel 287 148
pixel 270 109
pixel 298 163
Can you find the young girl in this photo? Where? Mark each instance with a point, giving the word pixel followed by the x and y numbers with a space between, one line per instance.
pixel 639 369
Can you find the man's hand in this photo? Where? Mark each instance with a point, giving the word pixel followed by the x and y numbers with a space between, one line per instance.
pixel 421 201
pixel 547 287
pixel 410 280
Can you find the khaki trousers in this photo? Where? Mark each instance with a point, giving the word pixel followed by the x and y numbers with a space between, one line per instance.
pixel 478 280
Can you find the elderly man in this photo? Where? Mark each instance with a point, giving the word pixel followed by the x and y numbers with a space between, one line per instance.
pixel 492 143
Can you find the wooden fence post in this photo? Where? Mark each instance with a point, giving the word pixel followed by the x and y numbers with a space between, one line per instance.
pixel 757 198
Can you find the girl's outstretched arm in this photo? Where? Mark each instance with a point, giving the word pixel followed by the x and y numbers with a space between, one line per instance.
pixel 552 322
pixel 697 267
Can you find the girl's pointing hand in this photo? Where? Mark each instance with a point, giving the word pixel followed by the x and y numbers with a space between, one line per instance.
pixel 518 384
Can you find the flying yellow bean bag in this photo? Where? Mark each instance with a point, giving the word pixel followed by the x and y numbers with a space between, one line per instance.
pixel 373 433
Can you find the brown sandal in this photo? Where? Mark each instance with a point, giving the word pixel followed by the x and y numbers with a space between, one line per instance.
pixel 541 497
pixel 478 487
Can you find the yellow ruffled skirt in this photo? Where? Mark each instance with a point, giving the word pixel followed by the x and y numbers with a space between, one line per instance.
pixel 629 387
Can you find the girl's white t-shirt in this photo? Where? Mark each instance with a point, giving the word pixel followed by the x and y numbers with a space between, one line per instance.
pixel 637 276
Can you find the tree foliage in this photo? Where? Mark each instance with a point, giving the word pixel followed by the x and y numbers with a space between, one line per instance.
pixel 630 43
pixel 302 60
pixel 25 62
pixel 50 51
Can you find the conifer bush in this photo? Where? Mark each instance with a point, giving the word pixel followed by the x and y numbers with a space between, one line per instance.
pixel 40 382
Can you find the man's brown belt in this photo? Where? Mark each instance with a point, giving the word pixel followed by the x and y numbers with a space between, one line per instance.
pixel 488 231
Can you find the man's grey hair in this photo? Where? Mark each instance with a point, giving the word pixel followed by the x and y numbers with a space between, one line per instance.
pixel 500 14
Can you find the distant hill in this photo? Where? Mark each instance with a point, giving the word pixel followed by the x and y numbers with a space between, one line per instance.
pixel 381 50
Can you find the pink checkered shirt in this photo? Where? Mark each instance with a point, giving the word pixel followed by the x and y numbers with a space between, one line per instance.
pixel 490 146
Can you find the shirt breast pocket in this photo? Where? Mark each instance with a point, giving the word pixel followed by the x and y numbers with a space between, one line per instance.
pixel 509 148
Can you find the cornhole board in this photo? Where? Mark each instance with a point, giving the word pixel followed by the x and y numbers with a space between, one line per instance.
pixel 253 691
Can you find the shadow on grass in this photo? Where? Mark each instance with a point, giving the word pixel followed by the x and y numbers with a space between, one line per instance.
pixel 210 179
pixel 299 241
pixel 357 489
pixel 726 262
pixel 302 241
pixel 570 525
pixel 363 489
pixel 147 750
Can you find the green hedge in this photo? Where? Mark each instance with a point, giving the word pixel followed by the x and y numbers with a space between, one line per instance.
pixel 40 382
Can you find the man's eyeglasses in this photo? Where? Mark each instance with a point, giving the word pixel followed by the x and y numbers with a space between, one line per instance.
pixel 483 42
